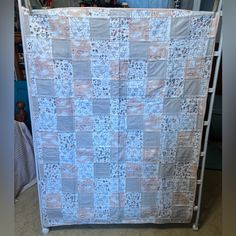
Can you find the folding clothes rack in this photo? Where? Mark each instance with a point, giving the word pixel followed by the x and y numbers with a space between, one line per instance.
pixel 211 95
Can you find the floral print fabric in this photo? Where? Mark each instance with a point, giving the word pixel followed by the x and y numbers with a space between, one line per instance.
pixel 117 98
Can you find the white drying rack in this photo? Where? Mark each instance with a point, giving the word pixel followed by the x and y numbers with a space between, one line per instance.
pixel 211 95
pixel 217 7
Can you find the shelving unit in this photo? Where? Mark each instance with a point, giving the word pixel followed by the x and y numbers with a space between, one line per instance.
pixel 19 55
pixel 19 59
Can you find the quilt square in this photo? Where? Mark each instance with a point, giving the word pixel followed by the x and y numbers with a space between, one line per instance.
pixel 138 50
pixel 86 200
pixel 135 107
pixel 151 139
pixel 167 170
pixel 192 87
pixel 159 29
pixel 82 70
pixel 139 30
pixel 80 50
pixel 179 27
pixel 64 107
pixel 135 122
pixel 99 28
pixel 84 139
pixel 83 89
pixel 61 48
pixel 79 28
pixel 45 87
pixel 65 123
pixel 157 69
pixel 69 185
pixel 51 155
pixel 133 185
pixel 101 170
pixel 39 26
pixel 59 32
pixel 148 199
pixel 172 105
pixel 158 51
pixel 155 88
pixel 101 106
pixel 118 89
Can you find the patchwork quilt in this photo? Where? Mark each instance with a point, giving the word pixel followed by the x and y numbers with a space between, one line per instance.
pixel 117 101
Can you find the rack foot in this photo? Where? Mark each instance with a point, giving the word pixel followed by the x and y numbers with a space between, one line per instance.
pixel 45 230
pixel 195 227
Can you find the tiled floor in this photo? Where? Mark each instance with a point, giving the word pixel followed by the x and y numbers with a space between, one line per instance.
pixel 28 223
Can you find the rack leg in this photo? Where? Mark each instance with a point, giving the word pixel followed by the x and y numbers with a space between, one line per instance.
pixel 195 227
pixel 45 230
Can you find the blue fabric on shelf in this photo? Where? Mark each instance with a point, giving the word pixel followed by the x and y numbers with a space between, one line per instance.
pixel 148 3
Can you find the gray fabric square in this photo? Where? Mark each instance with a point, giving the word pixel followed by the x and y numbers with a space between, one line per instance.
pixel 118 89
pixel 45 87
pixel 171 105
pixel 116 213
pixel 181 212
pixel 100 28
pixel 51 155
pixel 131 213
pixel 55 214
pixel 139 50
pixel 118 12
pixel 133 185
pixel 166 170
pixel 179 27
pixel 184 154
pixel 148 199
pixel 35 105
pixel 69 185
pixel 101 170
pixel 82 70
pixel 26 25
pixel 157 69
pixel 61 48
pixel 101 106
pixel 151 139
pixel 192 185
pixel 86 200
pixel 210 46
pixel 117 154
pixel 192 87
pixel 84 139
pixel 199 123
pixel 135 123
pixel 65 123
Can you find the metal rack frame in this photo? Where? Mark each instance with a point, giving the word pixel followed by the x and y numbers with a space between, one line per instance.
pixel 211 92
